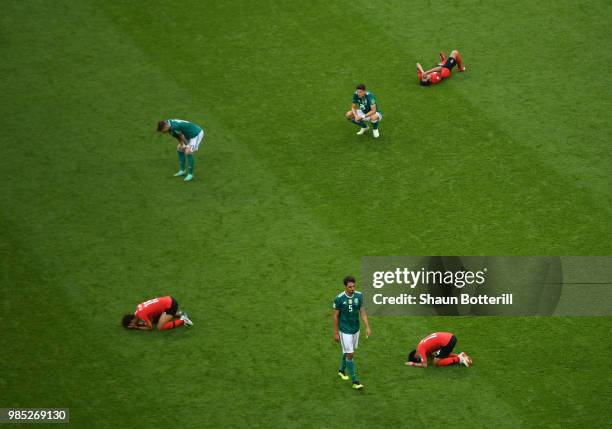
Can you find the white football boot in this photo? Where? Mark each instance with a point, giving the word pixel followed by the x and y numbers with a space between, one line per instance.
pixel 464 359
pixel 362 131
pixel 186 319
pixel 375 133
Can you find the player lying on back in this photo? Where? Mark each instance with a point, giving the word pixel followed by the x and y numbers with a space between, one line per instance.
pixel 443 71
pixel 439 345
pixel 163 311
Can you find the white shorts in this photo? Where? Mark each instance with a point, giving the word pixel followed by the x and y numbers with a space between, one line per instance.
pixel 194 143
pixel 361 115
pixel 349 342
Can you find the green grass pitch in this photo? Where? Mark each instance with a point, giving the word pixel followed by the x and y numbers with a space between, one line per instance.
pixel 510 158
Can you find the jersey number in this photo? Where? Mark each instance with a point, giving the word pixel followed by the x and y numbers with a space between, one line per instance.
pixel 149 302
pixel 428 338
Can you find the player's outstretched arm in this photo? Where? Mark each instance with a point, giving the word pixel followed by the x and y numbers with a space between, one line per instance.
pixel 423 363
pixel 435 69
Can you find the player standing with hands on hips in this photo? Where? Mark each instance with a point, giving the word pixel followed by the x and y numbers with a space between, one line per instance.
pixel 348 307
pixel 189 136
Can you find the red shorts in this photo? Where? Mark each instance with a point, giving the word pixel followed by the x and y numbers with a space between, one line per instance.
pixel 444 72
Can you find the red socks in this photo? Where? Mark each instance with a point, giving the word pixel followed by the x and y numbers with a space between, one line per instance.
pixel 459 62
pixel 173 324
pixel 451 359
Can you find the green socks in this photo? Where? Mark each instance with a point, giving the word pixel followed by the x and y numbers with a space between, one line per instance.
pixel 191 161
pixel 361 124
pixel 181 156
pixel 351 369
pixel 343 363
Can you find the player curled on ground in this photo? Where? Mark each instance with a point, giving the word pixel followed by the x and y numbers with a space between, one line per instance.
pixel 440 346
pixel 163 311
pixel 348 308
pixel 364 109
pixel 189 136
pixel 442 71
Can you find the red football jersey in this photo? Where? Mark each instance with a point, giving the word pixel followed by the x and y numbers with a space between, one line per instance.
pixel 433 342
pixel 153 308
pixel 435 77
pixel 444 72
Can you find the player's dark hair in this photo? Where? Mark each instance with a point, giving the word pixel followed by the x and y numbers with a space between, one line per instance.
pixel 161 125
pixel 127 319
pixel 412 357
pixel 361 86
pixel 425 82
pixel 348 279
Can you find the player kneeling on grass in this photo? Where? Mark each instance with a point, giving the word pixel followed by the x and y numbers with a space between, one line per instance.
pixel 348 306
pixel 439 345
pixel 189 136
pixel 364 109
pixel 163 311
pixel 443 71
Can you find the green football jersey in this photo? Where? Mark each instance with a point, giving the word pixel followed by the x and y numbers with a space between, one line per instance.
pixel 349 307
pixel 186 128
pixel 365 104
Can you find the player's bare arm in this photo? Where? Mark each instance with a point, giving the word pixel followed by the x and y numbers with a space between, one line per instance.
pixel 366 322
pixel 336 316
pixel 372 112
pixel 435 69
pixel 354 111
pixel 423 361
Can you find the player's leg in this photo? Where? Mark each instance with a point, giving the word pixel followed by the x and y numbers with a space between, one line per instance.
pixel 356 384
pixel 457 56
pixel 361 121
pixel 449 360
pixel 357 120
pixel 375 119
pixel 172 318
pixel 181 156
pixel 190 163
pixel 348 348
pixel 193 146
pixel 346 351
pixel 342 369
pixel 446 356
pixel 442 58
pixel 167 321
pixel 353 342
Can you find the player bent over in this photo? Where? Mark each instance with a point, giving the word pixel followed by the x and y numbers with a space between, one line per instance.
pixel 364 109
pixel 348 307
pixel 443 71
pixel 439 345
pixel 163 311
pixel 189 136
